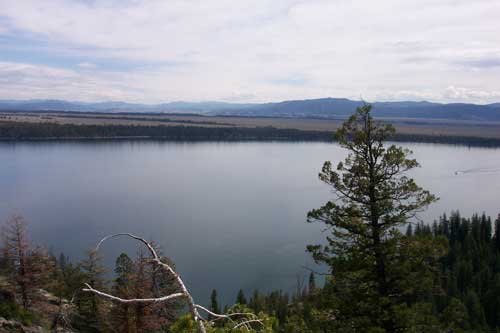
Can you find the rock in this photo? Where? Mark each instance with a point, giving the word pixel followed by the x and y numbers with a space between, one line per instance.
pixel 10 325
pixel 15 326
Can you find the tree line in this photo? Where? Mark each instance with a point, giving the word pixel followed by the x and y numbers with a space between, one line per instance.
pixel 14 131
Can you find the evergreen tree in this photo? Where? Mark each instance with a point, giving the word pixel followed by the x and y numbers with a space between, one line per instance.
pixel 257 302
pixel 90 316
pixel 240 298
pixel 409 230
pixel 455 316
pixel 121 313
pixel 374 197
pixel 141 279
pixel 496 239
pixel 62 262
pixel 214 304
pixel 475 310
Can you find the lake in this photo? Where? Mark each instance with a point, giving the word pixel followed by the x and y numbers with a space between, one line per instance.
pixel 230 215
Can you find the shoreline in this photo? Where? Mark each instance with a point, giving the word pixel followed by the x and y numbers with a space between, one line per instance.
pixel 479 142
pixel 51 130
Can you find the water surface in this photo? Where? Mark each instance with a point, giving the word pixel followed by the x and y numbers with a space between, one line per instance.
pixel 231 215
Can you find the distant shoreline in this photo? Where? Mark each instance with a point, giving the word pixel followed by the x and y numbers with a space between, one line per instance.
pixel 52 132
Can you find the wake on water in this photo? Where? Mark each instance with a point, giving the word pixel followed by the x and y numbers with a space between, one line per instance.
pixel 477 170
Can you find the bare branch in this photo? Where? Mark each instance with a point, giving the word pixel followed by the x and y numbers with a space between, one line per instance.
pixel 184 291
pixel 245 323
pixel 132 300
pixel 142 240
pixel 226 316
pixel 193 308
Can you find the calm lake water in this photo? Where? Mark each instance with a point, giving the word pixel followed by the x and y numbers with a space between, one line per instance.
pixel 230 215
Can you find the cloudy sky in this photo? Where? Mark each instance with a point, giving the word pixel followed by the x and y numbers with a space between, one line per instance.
pixel 250 51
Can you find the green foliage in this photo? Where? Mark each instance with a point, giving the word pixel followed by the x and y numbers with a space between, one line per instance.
pixel 417 318
pixel 90 316
pixel 455 316
pixel 184 324
pixel 374 266
pixel 37 131
pixel 470 271
pixel 12 311
pixel 269 324
pixel 214 304
pixel 475 310
pixel 67 278
pixel 142 279
pixel 240 298
pixel 122 314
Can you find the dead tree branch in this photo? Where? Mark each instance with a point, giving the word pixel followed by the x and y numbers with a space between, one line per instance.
pixel 132 300
pixel 248 318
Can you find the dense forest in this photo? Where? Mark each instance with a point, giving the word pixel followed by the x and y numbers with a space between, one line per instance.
pixel 52 131
pixel 383 269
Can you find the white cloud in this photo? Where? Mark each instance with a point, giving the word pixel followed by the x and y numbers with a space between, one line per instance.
pixel 466 94
pixel 87 65
pixel 26 81
pixel 225 49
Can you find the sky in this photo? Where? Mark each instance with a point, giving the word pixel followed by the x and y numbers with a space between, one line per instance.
pixel 242 51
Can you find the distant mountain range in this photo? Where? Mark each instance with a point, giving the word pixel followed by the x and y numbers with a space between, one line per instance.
pixel 60 105
pixel 311 108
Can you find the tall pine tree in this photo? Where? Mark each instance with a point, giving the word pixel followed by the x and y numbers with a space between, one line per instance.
pixel 369 258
